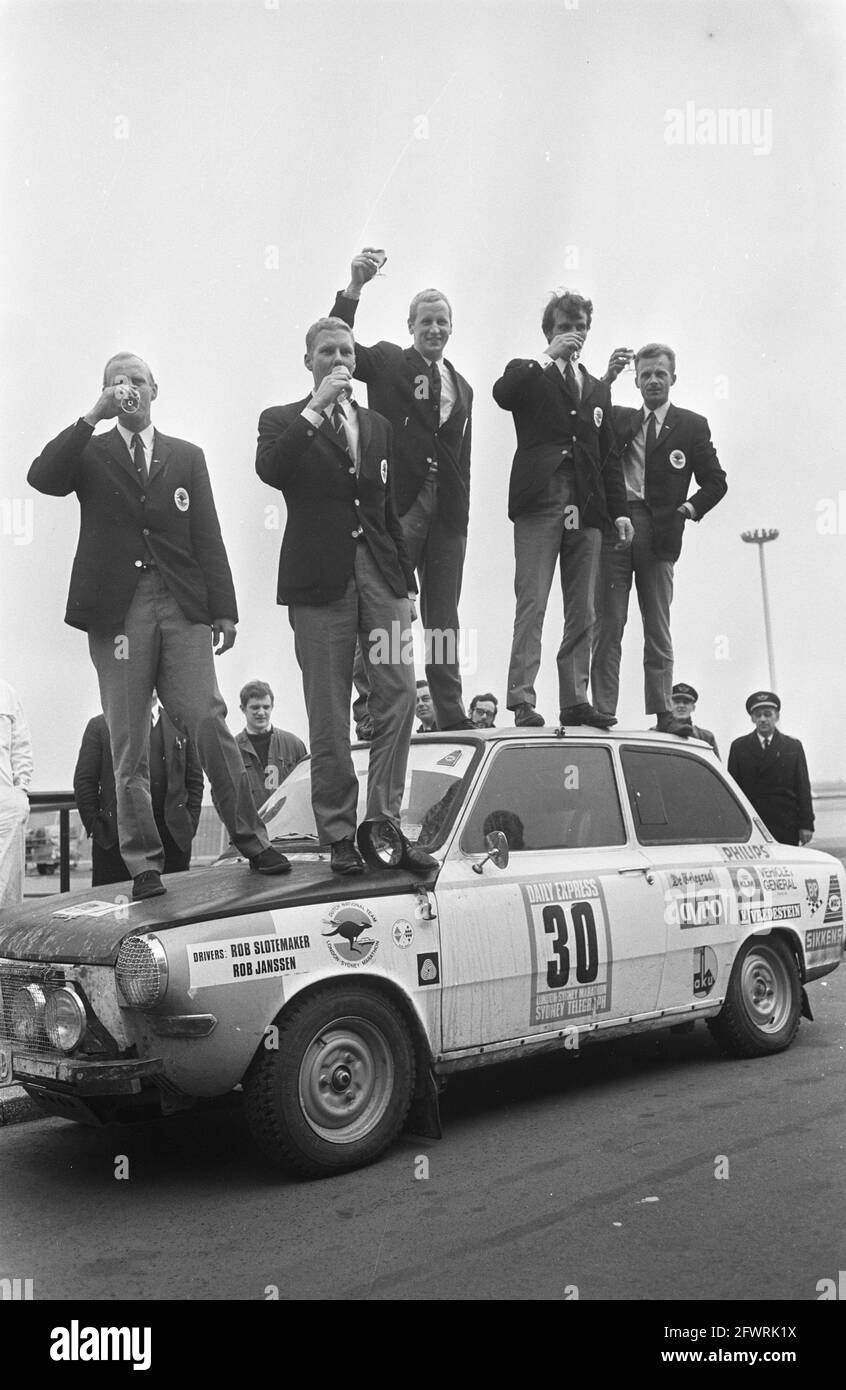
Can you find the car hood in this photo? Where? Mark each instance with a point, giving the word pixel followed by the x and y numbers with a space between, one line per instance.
pixel 75 929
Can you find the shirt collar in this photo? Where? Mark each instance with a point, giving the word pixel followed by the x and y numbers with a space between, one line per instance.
pixel 660 415
pixel 146 435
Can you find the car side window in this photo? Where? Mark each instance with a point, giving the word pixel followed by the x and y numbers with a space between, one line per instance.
pixel 678 799
pixel 561 797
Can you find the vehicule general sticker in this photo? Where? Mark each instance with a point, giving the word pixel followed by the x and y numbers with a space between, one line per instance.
pixel 570 946
pixel 244 958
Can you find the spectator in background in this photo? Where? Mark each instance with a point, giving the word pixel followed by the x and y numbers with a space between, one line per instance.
pixel 15 777
pixel 483 709
pixel 683 703
pixel 269 754
pixel 771 770
pixel 425 709
pixel 176 790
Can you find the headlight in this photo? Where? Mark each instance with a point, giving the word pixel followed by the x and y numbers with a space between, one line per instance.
pixel 64 1019
pixel 141 971
pixel 27 1013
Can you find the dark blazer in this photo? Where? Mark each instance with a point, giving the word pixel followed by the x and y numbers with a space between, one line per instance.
pixel 329 507
pixel 666 482
pixel 94 785
pixel 395 378
pixel 121 520
pixel 550 421
pixel 776 782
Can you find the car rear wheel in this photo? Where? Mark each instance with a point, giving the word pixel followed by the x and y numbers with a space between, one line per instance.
pixel 763 1002
pixel 336 1091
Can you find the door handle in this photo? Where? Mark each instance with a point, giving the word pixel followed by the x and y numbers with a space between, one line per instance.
pixel 646 870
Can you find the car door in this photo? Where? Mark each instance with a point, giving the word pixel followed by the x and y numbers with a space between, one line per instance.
pixel 703 846
pixel 571 932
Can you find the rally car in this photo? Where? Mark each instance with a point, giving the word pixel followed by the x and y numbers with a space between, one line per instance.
pixel 586 885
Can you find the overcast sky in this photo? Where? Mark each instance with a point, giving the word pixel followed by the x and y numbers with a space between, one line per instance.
pixel 188 180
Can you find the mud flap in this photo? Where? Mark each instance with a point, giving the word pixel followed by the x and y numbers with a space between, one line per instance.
pixel 806 1008
pixel 424 1117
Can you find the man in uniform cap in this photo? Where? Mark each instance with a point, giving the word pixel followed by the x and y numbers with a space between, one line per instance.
pixel 683 704
pixel 771 769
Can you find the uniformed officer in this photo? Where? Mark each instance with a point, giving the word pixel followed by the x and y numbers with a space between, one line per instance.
pixel 683 704
pixel 771 769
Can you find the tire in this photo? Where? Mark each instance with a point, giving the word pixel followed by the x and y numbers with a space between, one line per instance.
pixel 44 869
pixel 763 1003
pixel 337 1090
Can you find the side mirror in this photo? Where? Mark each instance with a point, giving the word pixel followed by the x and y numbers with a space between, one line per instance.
pixel 380 843
pixel 497 843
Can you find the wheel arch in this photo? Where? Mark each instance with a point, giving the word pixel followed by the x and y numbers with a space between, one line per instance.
pixel 387 989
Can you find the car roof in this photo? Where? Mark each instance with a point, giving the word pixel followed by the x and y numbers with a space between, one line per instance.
pixel 580 731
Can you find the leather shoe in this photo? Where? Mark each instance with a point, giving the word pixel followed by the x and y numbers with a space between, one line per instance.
pixel 526 717
pixel 416 859
pixel 669 723
pixel 270 861
pixel 147 885
pixel 586 714
pixel 345 858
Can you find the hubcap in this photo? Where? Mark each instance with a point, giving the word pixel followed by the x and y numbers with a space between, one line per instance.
pixel 765 989
pixel 346 1080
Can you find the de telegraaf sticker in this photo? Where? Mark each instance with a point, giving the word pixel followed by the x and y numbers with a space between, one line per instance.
pixel 597 416
pixel 403 933
pixel 350 924
pixel 182 499
pixel 428 968
pixel 677 459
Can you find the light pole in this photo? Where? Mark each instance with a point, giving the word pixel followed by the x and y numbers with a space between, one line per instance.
pixel 760 539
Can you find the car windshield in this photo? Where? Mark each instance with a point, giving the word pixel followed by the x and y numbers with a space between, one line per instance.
pixel 429 801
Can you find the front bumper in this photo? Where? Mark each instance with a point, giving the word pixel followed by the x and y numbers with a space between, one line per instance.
pixel 82 1077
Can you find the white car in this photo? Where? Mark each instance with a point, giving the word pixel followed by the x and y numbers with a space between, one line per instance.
pixel 587 885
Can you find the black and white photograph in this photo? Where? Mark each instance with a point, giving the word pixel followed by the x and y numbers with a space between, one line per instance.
pixel 422 786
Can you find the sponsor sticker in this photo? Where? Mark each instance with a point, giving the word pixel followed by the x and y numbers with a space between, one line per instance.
pixel 402 933
pixel 737 853
pixel 834 902
pixel 244 958
pixel 182 499
pixel 350 940
pixel 704 971
pixel 812 895
pixel 428 968
pixel 570 945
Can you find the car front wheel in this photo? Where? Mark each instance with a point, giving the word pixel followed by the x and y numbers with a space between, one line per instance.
pixel 763 1002
pixel 336 1090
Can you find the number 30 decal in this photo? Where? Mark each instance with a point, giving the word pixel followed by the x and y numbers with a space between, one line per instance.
pixel 583 936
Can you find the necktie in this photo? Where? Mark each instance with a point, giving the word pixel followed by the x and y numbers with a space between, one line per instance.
pixel 766 744
pixel 435 388
pixel 650 437
pixel 572 380
pixel 139 458
pixel 339 423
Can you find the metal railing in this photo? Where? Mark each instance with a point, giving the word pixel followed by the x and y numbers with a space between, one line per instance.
pixel 64 803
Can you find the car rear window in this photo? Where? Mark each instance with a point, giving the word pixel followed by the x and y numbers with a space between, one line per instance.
pixel 547 797
pixel 676 798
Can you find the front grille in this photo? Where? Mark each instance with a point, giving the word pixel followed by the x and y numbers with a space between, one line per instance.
pixel 21 1021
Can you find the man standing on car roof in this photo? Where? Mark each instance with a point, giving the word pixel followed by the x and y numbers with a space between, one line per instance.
pixel 429 405
pixel 151 586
